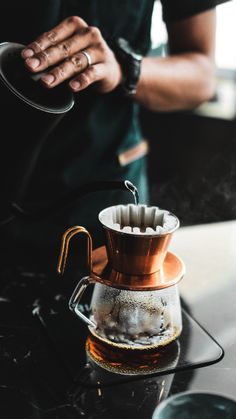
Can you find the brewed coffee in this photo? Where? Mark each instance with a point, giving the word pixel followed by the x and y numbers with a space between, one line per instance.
pixel 130 361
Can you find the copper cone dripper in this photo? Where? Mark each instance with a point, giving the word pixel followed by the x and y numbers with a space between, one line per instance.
pixel 138 238
pixel 136 256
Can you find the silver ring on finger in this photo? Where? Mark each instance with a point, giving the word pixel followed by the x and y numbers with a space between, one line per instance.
pixel 45 55
pixel 38 46
pixel 88 57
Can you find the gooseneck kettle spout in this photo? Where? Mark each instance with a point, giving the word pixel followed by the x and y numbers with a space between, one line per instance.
pixel 68 199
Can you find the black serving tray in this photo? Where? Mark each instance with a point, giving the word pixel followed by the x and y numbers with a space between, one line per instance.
pixel 67 335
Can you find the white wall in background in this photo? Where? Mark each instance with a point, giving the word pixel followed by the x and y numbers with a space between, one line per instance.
pixel 158 29
pixel 225 33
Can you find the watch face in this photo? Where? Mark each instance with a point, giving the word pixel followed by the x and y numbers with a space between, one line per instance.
pixel 137 56
pixel 130 62
pixel 124 45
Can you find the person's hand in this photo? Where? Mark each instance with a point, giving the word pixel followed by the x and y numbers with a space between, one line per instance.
pixel 59 55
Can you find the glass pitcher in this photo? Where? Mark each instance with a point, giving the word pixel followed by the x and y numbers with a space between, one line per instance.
pixel 135 302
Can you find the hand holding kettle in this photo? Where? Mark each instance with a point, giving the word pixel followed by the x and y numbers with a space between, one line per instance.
pixel 78 53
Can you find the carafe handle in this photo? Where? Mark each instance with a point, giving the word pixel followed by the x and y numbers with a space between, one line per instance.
pixel 67 236
pixel 76 297
pixel 84 282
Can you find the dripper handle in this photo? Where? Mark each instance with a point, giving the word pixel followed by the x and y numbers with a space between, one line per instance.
pixel 76 297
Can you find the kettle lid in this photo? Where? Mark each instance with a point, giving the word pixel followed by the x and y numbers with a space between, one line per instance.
pixel 27 87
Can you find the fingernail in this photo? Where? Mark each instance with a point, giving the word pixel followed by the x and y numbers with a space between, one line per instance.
pixel 32 62
pixel 27 53
pixel 75 85
pixel 48 78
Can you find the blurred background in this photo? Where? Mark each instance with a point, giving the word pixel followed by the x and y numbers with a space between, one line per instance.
pixel 192 159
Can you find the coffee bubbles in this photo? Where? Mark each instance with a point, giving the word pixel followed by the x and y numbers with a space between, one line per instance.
pixel 139 320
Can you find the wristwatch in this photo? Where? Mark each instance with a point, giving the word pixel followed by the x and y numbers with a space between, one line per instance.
pixel 130 62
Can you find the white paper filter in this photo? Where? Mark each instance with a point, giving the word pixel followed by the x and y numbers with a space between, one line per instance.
pixel 138 219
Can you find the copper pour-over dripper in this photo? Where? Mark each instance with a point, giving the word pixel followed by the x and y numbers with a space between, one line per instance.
pixel 137 240
pixel 136 257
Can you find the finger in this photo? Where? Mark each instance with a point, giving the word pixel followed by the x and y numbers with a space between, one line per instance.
pixel 55 35
pixel 69 68
pixel 86 78
pixel 63 50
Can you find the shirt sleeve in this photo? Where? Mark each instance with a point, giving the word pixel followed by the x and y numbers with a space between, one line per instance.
pixel 174 10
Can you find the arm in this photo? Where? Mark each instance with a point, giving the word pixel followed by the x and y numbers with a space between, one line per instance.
pixel 186 77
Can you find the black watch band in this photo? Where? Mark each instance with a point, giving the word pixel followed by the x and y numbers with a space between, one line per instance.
pixel 130 63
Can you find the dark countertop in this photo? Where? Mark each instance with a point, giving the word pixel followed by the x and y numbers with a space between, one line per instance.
pixel 43 370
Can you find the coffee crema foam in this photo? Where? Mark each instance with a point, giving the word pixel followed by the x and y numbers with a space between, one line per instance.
pixel 161 340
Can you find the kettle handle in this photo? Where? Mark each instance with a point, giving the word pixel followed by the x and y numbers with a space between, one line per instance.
pixel 67 236
pixel 76 297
